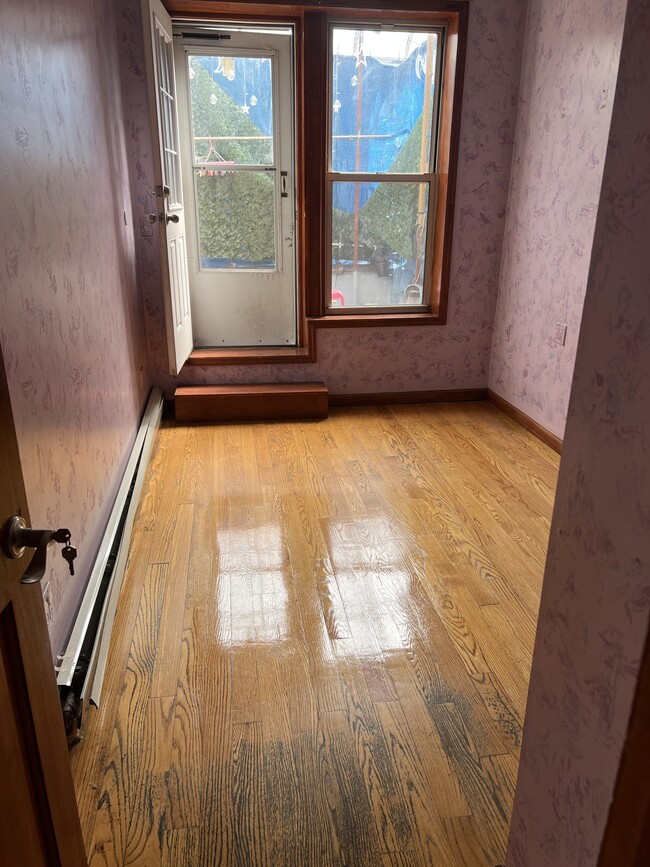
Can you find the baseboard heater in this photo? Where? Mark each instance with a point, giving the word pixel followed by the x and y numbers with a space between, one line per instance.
pixel 82 667
pixel 261 402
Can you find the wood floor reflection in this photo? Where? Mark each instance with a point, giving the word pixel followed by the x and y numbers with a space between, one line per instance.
pixel 323 644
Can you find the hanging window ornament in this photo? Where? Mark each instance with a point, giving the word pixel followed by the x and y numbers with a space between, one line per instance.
pixel 253 100
pixel 337 106
pixel 213 98
pixel 228 68
pixel 245 109
pixel 354 81
pixel 192 73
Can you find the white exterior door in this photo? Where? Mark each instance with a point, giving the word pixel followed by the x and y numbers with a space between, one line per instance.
pixel 170 214
pixel 235 99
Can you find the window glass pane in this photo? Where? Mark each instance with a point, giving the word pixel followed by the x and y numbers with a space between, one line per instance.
pixel 162 62
pixel 170 177
pixel 168 129
pixel 378 243
pixel 232 110
pixel 236 214
pixel 382 100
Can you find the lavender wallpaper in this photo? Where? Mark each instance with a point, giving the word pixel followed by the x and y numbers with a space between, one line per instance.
pixel 71 320
pixel 373 360
pixel 568 77
pixel 596 599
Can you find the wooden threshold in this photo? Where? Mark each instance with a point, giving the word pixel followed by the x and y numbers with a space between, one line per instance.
pixel 525 421
pixel 275 355
pixel 265 402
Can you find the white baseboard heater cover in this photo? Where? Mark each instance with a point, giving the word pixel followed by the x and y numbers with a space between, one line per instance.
pixel 138 460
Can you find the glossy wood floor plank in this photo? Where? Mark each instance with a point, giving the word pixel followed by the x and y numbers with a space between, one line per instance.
pixel 150 811
pixel 281 778
pixel 185 780
pixel 352 830
pixel 322 645
pixel 250 831
pixel 430 841
pixel 118 782
pixel 212 842
pixel 168 647
pixel 486 714
pixel 380 780
pixel 88 765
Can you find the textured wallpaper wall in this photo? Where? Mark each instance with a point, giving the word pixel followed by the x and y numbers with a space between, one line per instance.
pixel 369 360
pixel 596 599
pixel 568 76
pixel 71 321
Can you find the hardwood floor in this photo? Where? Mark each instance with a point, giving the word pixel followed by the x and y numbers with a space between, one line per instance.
pixel 323 644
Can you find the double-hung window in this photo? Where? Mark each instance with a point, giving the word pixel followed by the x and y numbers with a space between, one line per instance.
pixel 382 117
pixel 384 87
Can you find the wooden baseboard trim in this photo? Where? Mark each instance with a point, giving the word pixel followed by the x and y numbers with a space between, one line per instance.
pixel 525 421
pixel 243 403
pixel 388 397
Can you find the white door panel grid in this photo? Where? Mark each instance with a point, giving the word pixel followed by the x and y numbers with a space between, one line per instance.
pixel 170 213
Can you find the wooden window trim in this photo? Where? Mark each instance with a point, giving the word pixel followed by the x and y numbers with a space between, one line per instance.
pixel 311 21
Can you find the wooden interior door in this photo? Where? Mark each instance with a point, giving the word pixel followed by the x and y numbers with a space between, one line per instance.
pixel 39 822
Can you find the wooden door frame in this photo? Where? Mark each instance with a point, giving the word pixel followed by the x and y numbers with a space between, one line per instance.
pixel 32 674
pixel 627 834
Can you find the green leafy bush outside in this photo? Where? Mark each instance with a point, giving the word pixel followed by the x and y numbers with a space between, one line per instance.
pixel 389 219
pixel 237 213
pixel 236 208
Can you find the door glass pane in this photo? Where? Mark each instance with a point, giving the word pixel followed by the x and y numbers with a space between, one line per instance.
pixel 383 100
pixel 166 96
pixel 378 243
pixel 232 110
pixel 236 212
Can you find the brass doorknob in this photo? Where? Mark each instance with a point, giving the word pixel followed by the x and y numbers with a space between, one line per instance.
pixel 163 218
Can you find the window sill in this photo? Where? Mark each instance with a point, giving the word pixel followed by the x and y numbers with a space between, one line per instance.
pixel 377 320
